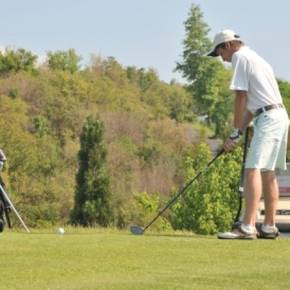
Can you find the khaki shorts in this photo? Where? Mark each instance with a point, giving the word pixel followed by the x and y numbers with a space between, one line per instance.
pixel 268 147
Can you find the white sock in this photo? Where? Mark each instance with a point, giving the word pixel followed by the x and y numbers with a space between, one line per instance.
pixel 249 229
pixel 268 228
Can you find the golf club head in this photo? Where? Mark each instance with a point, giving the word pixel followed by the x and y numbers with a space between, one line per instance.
pixel 135 230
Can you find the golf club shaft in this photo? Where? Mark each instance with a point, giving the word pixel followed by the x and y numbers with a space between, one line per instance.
pixel 241 185
pixel 14 209
pixel 181 191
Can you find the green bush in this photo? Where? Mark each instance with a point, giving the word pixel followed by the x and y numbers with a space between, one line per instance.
pixel 141 210
pixel 211 203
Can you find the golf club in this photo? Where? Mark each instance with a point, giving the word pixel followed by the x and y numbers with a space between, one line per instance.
pixel 137 230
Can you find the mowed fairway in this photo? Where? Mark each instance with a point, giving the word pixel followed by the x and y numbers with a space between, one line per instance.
pixel 97 259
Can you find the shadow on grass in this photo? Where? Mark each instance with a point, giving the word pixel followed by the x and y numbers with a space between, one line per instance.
pixel 179 235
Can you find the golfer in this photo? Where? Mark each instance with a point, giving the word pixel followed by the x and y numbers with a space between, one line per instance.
pixel 257 99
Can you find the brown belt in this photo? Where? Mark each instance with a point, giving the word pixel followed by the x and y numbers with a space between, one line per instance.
pixel 268 108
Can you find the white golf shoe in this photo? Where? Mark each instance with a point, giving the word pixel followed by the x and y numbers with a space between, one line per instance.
pixel 239 233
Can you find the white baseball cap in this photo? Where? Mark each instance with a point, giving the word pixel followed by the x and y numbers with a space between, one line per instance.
pixel 221 37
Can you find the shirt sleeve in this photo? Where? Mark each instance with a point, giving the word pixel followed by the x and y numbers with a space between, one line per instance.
pixel 240 78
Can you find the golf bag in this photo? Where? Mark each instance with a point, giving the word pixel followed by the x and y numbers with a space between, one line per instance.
pixel 4 203
pixel 5 209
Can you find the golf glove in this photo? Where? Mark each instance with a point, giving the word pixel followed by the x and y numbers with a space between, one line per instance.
pixel 236 135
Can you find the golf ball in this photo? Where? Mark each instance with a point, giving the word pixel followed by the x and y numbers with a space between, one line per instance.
pixel 60 231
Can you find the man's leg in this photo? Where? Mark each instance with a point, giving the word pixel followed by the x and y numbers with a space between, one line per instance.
pixel 271 196
pixel 252 193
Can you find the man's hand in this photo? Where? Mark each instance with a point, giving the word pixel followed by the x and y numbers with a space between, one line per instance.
pixel 233 140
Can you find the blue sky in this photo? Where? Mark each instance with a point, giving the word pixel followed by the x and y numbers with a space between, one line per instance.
pixel 146 33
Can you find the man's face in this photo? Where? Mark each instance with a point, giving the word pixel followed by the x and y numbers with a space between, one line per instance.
pixel 225 52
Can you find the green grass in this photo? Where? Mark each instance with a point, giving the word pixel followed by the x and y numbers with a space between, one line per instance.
pixel 99 259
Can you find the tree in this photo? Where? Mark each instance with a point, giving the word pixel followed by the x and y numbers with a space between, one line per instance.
pixel 12 61
pixel 64 60
pixel 284 87
pixel 222 113
pixel 203 73
pixel 92 195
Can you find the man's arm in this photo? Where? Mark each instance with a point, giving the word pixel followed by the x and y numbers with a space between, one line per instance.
pixel 248 117
pixel 240 109
pixel 242 118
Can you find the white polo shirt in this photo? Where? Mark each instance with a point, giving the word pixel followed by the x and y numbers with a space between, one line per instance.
pixel 254 75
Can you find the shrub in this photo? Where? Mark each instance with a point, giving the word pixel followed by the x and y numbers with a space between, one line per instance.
pixel 141 210
pixel 210 204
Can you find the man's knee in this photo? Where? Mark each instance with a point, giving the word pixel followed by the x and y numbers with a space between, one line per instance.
pixel 269 176
pixel 252 173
